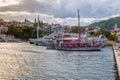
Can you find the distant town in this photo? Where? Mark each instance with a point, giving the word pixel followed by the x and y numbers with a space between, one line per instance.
pixel 4 27
pixel 15 30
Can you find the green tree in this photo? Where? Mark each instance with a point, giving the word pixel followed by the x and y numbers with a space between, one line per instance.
pixel 20 32
pixel 92 33
pixel 16 31
pixel 25 36
pixel 75 29
pixel 27 32
pixel 107 34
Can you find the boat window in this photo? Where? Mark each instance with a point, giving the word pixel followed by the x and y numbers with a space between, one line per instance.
pixel 82 44
pixel 64 44
pixel 58 41
pixel 88 44
pixel 61 45
pixel 78 44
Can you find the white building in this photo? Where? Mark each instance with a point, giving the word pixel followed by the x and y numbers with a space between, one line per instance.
pixel 1 21
pixel 20 24
pixel 3 29
pixel 26 23
pixel 55 27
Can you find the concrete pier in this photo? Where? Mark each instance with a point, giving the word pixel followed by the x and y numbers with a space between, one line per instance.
pixel 117 58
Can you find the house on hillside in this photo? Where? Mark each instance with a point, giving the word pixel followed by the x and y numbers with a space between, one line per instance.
pixel 88 30
pixel 55 27
pixel 116 31
pixel 116 28
pixel 3 29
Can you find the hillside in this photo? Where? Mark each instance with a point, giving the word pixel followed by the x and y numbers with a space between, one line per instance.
pixel 107 24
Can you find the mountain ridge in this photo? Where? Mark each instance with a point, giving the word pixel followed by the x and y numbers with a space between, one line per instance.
pixel 107 24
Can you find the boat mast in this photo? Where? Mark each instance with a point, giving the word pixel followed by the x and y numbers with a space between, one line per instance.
pixel 42 29
pixel 78 26
pixel 38 28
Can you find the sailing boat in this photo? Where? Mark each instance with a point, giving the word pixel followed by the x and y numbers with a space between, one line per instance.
pixel 79 43
pixel 49 44
pixel 32 41
pixel 39 41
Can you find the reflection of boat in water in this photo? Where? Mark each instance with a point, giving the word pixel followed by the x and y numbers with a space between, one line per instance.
pixel 79 43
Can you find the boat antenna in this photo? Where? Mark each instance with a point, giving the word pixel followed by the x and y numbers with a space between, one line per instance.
pixel 78 26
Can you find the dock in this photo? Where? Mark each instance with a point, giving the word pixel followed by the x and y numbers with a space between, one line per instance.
pixel 116 51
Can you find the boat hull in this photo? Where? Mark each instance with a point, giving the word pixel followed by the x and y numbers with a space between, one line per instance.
pixel 32 41
pixel 80 49
pixel 40 43
pixel 50 45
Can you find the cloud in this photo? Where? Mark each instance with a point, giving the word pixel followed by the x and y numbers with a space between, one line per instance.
pixel 8 2
pixel 33 6
pixel 67 8
pixel 64 11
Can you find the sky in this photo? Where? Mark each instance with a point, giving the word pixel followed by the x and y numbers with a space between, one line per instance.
pixel 62 12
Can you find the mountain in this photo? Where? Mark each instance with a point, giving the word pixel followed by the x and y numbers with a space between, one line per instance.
pixel 107 24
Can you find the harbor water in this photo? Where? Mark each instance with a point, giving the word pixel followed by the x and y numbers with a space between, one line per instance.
pixel 22 61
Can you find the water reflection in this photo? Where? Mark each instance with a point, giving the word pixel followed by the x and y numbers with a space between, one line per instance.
pixel 22 61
